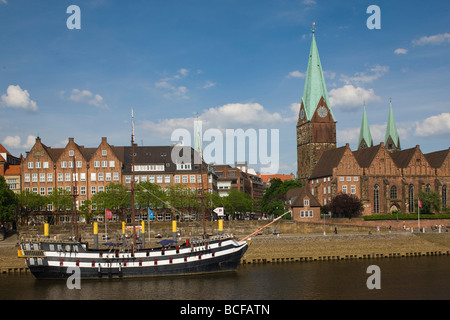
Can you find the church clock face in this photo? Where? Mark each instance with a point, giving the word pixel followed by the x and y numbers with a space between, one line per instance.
pixel 322 111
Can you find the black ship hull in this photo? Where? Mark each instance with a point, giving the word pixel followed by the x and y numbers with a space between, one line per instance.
pixel 59 260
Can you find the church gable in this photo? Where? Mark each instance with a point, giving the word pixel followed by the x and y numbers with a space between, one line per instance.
pixel 348 165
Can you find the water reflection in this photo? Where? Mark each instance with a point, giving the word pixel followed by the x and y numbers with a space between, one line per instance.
pixel 401 278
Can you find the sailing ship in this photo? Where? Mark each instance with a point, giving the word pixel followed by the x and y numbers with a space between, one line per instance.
pixel 50 259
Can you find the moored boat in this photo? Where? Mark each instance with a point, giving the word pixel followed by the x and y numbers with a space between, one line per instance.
pixel 48 259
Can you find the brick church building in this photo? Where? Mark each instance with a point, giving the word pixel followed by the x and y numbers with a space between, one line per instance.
pixel 384 177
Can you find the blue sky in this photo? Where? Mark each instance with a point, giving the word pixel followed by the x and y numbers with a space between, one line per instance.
pixel 234 64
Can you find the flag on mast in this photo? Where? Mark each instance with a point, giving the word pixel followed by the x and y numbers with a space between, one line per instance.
pixel 108 214
pixel 420 203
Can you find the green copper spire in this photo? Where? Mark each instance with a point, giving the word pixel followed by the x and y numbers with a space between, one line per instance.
pixel 365 138
pixel 391 139
pixel 315 87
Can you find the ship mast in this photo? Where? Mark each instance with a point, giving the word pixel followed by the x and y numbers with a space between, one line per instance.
pixel 75 195
pixel 132 181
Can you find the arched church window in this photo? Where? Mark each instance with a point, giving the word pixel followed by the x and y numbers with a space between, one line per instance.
pixel 444 196
pixel 411 198
pixel 376 199
pixel 393 192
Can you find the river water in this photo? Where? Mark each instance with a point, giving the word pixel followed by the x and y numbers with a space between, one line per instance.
pixel 399 279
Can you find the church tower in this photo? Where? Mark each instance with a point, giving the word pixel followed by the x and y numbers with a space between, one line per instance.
pixel 316 126
pixel 391 139
pixel 365 138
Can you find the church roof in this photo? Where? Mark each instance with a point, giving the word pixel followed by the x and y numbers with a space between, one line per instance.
pixel 315 87
pixel 436 159
pixel 391 129
pixel 364 133
pixel 365 156
pixel 328 160
pixel 402 158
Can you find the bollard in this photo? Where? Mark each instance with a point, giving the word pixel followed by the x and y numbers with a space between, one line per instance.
pixel 220 226
pixel 95 235
pixel 46 232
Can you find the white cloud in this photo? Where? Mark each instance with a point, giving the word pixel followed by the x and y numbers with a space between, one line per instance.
pixel 16 142
pixel 401 51
pixel 296 74
pixel 15 97
pixel 434 126
pixel 88 97
pixel 229 116
pixel 366 77
pixel 208 84
pixel 13 142
pixel 183 72
pixel 349 97
pixel 436 39
pixel 30 142
pixel 174 91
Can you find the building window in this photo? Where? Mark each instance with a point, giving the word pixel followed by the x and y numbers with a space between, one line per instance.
pixel 96 164
pixel 34 177
pixel 100 176
pixel 60 177
pixel 45 165
pixel 376 199
pixel 344 189
pixel 93 189
pixel 49 177
pixel 104 153
pixel 393 192
pixel 428 188
pixel 38 165
pixel 159 178
pixel 306 203
pixel 444 196
pixel 93 176
pixel 42 191
pixel 41 177
pixel 185 179
pixel 104 164
pixel 192 179
pixel 116 176
pixel 411 198
pixel 67 177
pixel 30 165
pixel 151 179
pixel 70 153
pixel 63 164
pixel 112 164
pixel 82 190
pixel 27 177
pixel 79 164
pixel 341 178
pixel 353 189
pixel 108 176
pixel 177 179
pixel 167 178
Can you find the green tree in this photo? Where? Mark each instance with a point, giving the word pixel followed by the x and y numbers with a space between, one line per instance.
pixel 116 197
pixel 431 202
pixel 61 199
pixel 8 202
pixel 345 205
pixel 237 201
pixel 272 201
pixel 150 195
